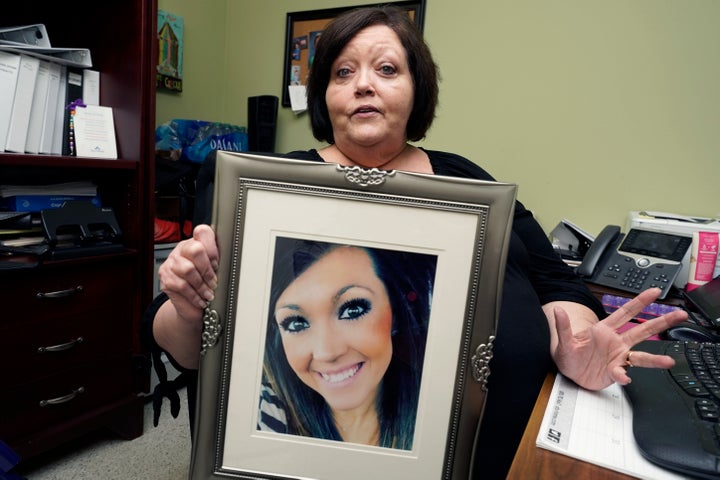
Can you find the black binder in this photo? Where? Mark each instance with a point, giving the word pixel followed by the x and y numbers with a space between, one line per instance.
pixel 73 95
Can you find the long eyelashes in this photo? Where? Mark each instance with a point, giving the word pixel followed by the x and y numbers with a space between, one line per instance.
pixel 349 310
pixel 294 324
pixel 354 309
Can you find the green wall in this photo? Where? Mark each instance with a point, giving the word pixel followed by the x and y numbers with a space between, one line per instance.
pixel 204 65
pixel 593 107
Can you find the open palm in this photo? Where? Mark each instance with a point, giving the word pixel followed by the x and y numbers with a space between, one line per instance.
pixel 596 357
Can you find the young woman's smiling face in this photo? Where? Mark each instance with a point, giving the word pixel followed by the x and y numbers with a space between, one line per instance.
pixel 335 321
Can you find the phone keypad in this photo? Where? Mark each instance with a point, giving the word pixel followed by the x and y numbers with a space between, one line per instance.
pixel 637 278
pixel 631 274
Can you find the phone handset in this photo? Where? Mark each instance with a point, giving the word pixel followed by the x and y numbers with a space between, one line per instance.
pixel 597 249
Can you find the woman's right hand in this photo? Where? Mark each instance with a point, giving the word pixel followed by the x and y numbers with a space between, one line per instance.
pixel 188 274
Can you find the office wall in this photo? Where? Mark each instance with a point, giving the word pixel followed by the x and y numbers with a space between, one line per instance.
pixel 592 107
pixel 204 65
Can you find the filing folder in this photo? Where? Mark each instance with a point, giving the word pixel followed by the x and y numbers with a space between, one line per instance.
pixel 34 34
pixel 73 57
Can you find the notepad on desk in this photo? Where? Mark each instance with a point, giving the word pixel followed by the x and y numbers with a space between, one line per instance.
pixel 596 427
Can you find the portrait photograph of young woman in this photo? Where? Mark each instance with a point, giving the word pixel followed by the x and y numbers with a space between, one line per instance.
pixel 345 342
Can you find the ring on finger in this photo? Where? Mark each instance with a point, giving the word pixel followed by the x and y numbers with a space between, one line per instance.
pixel 628 361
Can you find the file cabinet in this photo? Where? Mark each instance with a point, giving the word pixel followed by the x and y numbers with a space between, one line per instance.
pixel 70 355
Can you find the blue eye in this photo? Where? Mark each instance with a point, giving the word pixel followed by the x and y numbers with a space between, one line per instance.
pixel 343 72
pixel 387 69
pixel 354 309
pixel 294 324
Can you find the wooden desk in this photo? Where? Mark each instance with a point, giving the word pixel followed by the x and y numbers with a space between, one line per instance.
pixel 532 462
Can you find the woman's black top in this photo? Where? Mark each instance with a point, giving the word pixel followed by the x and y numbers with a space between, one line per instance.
pixel 534 276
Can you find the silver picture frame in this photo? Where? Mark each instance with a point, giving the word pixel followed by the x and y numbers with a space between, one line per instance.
pixel 462 224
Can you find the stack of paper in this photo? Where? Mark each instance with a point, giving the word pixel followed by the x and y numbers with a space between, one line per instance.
pixel 67 188
pixel 33 198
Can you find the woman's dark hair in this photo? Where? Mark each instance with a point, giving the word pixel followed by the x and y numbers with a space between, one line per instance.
pixel 339 32
pixel 408 279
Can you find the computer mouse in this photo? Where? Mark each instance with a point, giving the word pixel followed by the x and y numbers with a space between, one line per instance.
pixel 690 332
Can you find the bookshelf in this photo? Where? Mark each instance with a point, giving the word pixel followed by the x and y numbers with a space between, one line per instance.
pixel 96 377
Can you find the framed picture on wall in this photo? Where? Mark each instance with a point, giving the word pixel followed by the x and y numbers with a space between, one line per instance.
pixel 170 51
pixel 303 29
pixel 344 290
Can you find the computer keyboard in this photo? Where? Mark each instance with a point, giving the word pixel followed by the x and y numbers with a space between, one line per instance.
pixel 676 412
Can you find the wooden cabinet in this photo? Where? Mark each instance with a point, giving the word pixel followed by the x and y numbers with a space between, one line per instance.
pixel 70 358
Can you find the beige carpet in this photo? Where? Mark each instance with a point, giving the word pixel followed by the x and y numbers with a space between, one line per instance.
pixel 161 453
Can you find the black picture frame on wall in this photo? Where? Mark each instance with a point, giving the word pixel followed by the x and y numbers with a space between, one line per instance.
pixel 303 28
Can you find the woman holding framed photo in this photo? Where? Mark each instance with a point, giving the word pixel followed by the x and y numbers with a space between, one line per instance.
pixel 373 89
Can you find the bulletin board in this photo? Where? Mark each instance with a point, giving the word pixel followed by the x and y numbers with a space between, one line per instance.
pixel 303 29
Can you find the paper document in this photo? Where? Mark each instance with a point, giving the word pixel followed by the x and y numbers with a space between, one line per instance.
pixel 595 427
pixel 298 98
pixel 94 132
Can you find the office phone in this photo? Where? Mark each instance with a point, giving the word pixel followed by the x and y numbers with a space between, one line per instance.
pixel 634 261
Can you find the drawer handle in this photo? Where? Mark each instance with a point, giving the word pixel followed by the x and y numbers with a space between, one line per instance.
pixel 60 293
pixel 62 347
pixel 63 399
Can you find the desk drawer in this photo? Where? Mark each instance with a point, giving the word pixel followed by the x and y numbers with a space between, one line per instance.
pixel 60 398
pixel 52 292
pixel 41 351
pixel 47 334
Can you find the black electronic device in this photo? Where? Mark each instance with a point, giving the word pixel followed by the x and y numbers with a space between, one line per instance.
pixel 706 299
pixel 691 332
pixel 636 261
pixel 262 123
pixel 675 411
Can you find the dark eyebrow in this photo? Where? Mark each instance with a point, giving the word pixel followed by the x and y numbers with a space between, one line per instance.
pixel 290 306
pixel 295 307
pixel 348 287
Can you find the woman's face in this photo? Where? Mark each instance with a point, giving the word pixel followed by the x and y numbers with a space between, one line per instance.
pixel 335 321
pixel 370 93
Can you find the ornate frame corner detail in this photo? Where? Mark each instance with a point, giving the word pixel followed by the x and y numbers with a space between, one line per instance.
pixel 481 362
pixel 212 329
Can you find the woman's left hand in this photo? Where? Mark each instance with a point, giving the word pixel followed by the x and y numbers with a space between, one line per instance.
pixel 597 356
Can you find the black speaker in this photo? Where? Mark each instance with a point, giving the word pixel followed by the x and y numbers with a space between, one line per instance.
pixel 262 123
